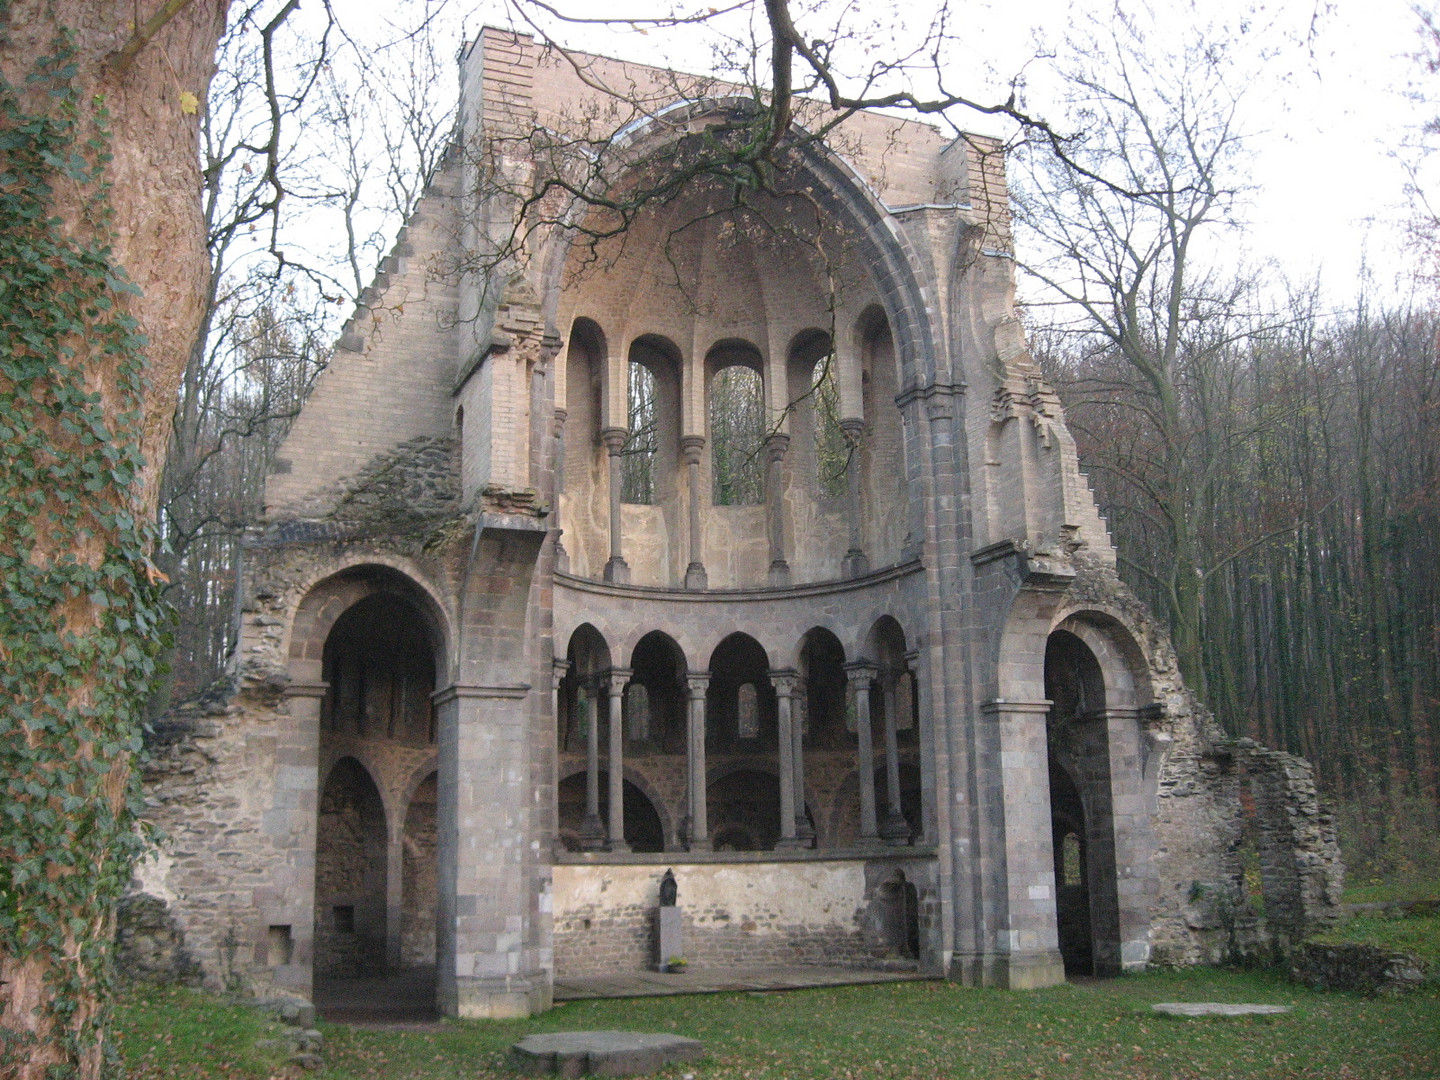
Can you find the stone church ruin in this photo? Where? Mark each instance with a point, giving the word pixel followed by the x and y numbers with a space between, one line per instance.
pixel 748 541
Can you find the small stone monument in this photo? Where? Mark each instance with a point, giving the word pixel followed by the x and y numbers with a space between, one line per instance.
pixel 669 926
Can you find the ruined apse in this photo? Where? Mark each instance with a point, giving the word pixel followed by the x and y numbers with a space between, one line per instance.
pixel 748 541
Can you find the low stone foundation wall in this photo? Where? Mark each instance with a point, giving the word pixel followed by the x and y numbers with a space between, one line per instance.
pixel 1356 967
pixel 791 912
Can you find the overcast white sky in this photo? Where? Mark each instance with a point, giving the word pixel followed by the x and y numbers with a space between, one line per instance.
pixel 1329 113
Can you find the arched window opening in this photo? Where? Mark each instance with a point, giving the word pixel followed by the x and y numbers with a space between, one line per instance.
pixel 737 437
pixel 1070 874
pixel 637 461
pixel 637 712
pixel 832 452
pixel 747 712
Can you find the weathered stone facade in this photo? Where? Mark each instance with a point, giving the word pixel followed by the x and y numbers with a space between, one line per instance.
pixel 521 631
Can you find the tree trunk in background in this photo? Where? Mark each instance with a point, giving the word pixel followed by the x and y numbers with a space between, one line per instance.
pixel 156 236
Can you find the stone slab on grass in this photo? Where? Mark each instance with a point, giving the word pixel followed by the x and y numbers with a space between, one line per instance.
pixel 601 1053
pixel 1217 1008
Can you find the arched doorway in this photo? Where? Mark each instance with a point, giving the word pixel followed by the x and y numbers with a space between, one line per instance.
pixel 350 875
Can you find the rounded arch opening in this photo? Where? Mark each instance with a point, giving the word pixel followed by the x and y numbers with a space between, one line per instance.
pixel 350 875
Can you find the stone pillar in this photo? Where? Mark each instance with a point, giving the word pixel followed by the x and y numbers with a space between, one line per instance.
pixel 855 563
pixel 775 447
pixel 860 674
pixel 691 447
pixel 290 824
pixel 617 681
pixel 784 682
pixel 804 831
pixel 1026 946
pixel 697 682
pixel 617 569
pixel 394 888
pixel 1134 840
pixel 894 829
pixel 562 557
pixel 488 959
pixel 592 829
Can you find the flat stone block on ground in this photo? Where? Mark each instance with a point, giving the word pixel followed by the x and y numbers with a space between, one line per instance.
pixel 601 1053
pixel 1217 1008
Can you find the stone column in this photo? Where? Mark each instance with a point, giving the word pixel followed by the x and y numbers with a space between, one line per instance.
pixel 860 674
pixel 697 682
pixel 775 447
pixel 1026 944
pixel 784 682
pixel 592 829
pixel 855 563
pixel 394 889
pixel 617 569
pixel 894 829
pixel 690 450
pixel 618 679
pixel 559 668
pixel 562 557
pixel 803 829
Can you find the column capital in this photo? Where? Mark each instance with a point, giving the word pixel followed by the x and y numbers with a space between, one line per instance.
pixel 852 427
pixel 559 668
pixel 614 675
pixel 690 448
pixel 861 671
pixel 697 681
pixel 307 690
pixel 1000 705
pixel 776 443
pixel 615 439
pixel 784 680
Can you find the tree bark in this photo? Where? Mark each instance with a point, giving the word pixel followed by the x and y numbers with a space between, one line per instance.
pixel 155 234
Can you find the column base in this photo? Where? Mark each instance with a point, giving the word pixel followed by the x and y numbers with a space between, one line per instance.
pixel 618 571
pixel 780 573
pixel 592 834
pixel 695 577
pixel 1009 971
pixel 618 847
pixel 699 845
pixel 894 829
pixel 512 998
pixel 855 564
pixel 792 843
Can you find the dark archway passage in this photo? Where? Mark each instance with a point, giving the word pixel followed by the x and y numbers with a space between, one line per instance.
pixel 350 875
pixel 644 831
pixel 745 811
pixel 1072 890
pixel 1081 808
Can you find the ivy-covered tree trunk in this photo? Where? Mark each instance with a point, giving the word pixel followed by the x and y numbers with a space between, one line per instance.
pixel 102 271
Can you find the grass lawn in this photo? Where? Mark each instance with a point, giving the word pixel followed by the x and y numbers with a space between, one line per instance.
pixel 1102 1029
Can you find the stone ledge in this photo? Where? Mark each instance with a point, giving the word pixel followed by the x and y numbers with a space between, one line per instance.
pixel 601 1053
